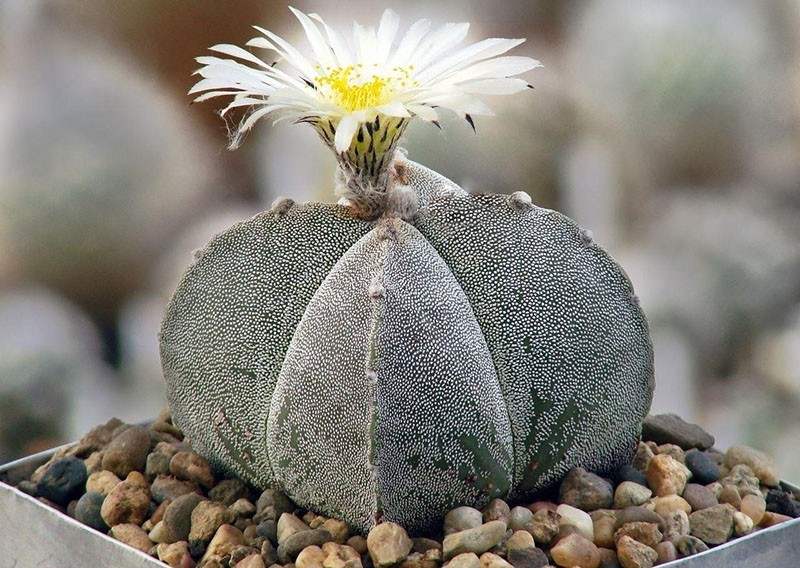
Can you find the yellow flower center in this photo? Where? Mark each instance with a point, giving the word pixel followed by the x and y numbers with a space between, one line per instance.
pixel 353 88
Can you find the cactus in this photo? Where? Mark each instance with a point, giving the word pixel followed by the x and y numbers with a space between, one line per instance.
pixel 397 369
pixel 411 348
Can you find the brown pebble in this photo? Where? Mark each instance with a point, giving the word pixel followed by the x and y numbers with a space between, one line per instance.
pixel 576 550
pixel 544 525
pixel 127 502
pixel 340 556
pixel 225 540
pixel 730 495
pixel 132 535
pixel 388 543
pixel 699 497
pixel 633 554
pixel 770 519
pixel 496 510
pixel 666 475
pixel 666 552
pixel 191 466
pixel 166 487
pixel 252 561
pixel 754 506
pixel 174 554
pixel 604 532
pixel 359 543
pixel 127 452
pixel 713 525
pixel 206 518
pixel 646 533
pixel 101 482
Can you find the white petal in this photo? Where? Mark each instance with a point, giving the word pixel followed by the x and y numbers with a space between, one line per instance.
pixel 507 66
pixel 342 52
pixel 321 47
pixel 236 51
pixel 366 43
pixel 438 42
pixel 290 53
pixel 387 30
pixel 459 102
pixel 425 112
pixel 466 56
pixel 503 86
pixel 394 108
pixel 345 132
pixel 410 42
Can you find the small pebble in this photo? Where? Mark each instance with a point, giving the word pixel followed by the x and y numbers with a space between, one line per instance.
pixel 228 491
pixel 242 508
pixel 289 524
pixel 359 543
pixel 269 529
pixel 669 504
pixel 646 533
pixel 575 550
pixel 676 524
pixel 633 554
pixel 101 482
pixel 465 560
pixel 672 429
pixel 88 509
pixel 175 555
pixel 689 545
pixel 519 517
pixel 310 557
pixel 760 463
pixel 190 466
pixel 338 529
pixel 127 452
pixel 742 524
pixel 157 464
pixel 290 547
pixel 177 520
pixel 629 493
pixel 666 552
pixel 132 535
pixel 673 450
pixel 743 478
pixel 586 491
pixel 271 505
pixel 699 496
pixel 754 506
pixel 423 545
pixel 478 540
pixel 730 495
pixel 461 519
pixel 340 556
pixel 527 558
pixel 704 469
pixel 641 459
pixel 638 514
pixel 225 540
pixel 389 543
pixel 604 531
pixel 63 481
pixel 165 487
pixel 577 518
pixel 497 510
pixel 713 525
pixel 491 560
pixel 780 502
pixel 252 561
pixel 666 476
pixel 770 519
pixel 128 502
pixel 544 526
pixel 629 473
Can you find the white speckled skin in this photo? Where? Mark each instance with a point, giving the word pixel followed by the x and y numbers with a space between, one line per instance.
pixel 392 370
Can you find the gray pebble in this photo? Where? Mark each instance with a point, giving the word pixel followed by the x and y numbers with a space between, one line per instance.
pixel 228 491
pixel 518 518
pixel 87 511
pixel 689 545
pixel 63 481
pixel 178 517
pixel 586 491
pixel 269 529
pixel 156 464
pixel 704 469
pixel 461 519
pixel 294 543
pixel 527 558
pixel 713 525
pixel 672 429
pixel 165 487
pixel 477 540
pixel 271 505
pixel 699 496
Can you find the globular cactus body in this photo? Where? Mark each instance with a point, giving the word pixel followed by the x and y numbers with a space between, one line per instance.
pixel 394 369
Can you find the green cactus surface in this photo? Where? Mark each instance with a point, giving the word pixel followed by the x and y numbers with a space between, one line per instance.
pixel 393 369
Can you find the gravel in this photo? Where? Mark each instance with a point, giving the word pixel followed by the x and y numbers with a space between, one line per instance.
pixel 144 486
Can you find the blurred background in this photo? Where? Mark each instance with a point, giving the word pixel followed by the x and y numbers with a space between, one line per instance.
pixel 670 129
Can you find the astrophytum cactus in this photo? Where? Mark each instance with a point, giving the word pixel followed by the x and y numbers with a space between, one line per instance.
pixel 410 349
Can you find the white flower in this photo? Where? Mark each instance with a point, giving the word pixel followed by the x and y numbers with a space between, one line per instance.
pixel 366 90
